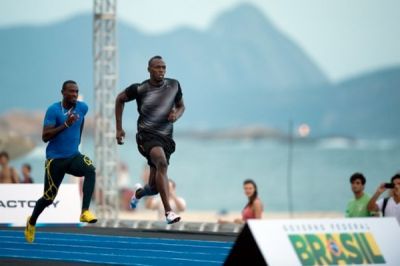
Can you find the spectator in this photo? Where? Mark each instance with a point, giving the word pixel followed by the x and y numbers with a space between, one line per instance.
pixel 253 208
pixel 26 174
pixel 357 207
pixel 178 204
pixel 145 174
pixel 8 174
pixel 389 206
pixel 124 189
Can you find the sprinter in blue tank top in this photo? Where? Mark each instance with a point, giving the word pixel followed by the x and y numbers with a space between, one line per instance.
pixel 62 129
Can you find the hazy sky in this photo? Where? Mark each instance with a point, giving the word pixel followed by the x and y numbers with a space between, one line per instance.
pixel 344 37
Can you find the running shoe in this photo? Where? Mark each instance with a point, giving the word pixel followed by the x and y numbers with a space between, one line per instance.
pixel 29 231
pixel 88 217
pixel 134 200
pixel 172 217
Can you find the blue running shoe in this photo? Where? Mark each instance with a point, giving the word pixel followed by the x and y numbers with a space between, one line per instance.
pixel 134 200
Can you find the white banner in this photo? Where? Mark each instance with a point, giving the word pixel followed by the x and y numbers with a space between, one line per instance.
pixel 363 241
pixel 18 200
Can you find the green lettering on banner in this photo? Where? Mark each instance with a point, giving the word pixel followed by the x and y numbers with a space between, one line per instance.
pixel 372 248
pixel 354 256
pixel 366 255
pixel 319 250
pixel 302 250
pixel 337 249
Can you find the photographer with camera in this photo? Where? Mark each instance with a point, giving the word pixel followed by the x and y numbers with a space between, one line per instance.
pixel 389 206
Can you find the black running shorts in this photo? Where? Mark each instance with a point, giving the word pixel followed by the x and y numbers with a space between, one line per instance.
pixel 147 140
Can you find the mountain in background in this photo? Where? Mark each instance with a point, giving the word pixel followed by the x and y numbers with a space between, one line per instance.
pixel 366 105
pixel 240 71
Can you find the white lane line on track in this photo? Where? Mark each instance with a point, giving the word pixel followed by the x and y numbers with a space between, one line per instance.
pixel 115 255
pixel 129 237
pixel 70 260
pixel 114 248
pixel 122 242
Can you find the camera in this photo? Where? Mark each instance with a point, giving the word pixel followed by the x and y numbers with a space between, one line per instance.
pixel 389 185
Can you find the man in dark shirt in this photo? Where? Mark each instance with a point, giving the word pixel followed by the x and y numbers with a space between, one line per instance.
pixel 159 103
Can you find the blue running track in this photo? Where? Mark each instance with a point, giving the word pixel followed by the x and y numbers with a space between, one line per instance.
pixel 103 249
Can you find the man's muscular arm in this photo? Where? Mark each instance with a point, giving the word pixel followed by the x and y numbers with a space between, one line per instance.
pixel 177 111
pixel 50 132
pixel 120 101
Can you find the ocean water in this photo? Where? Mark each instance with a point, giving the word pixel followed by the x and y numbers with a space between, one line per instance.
pixel 209 173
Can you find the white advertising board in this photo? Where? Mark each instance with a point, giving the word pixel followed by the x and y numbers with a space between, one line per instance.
pixel 18 200
pixel 365 241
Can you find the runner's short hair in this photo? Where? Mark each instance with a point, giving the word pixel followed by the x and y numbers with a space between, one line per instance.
pixel 67 82
pixel 153 58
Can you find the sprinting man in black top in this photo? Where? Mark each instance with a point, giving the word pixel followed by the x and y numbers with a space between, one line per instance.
pixel 159 103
